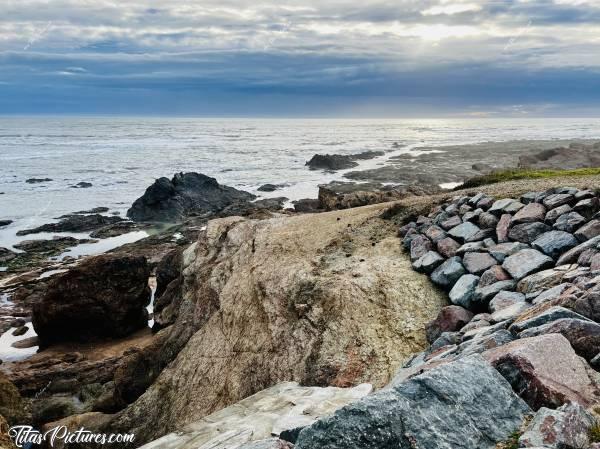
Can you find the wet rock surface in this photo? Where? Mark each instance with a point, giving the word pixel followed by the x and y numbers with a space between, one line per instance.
pixel 334 162
pixel 75 223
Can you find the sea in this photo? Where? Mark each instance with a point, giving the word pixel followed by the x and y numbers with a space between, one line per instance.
pixel 121 156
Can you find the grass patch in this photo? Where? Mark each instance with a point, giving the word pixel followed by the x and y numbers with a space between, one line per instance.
pixel 524 173
pixel 594 433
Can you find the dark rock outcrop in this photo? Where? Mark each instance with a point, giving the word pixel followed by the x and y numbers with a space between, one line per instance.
pixel 335 162
pixel 74 223
pixel 103 297
pixel 186 194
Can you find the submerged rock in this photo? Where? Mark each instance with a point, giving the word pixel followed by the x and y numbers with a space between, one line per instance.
pixel 103 297
pixel 461 405
pixel 335 162
pixel 184 195
pixel 74 223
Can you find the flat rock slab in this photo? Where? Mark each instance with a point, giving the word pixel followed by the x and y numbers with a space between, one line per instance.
pixel 526 262
pixel 477 263
pixel 530 213
pixel 269 412
pixel 463 291
pixel 464 231
pixel 527 232
pixel 448 273
pixel 465 404
pixel 540 317
pixel 558 199
pixel 555 243
pixel 546 371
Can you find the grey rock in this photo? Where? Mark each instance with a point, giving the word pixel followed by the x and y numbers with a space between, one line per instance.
pixel 502 250
pixel 573 254
pixel 485 203
pixel 529 197
pixel 483 234
pixel 419 245
pixel 448 273
pixel 557 199
pixel 565 427
pixel 584 194
pixel 552 293
pixel 587 207
pixel 588 231
pixel 510 313
pixel 492 275
pixel 526 262
pixel 544 317
pixel 472 215
pixel 447 247
pixel 487 220
pixel 554 214
pixel 483 343
pixel 477 263
pixel 506 299
pixel 530 213
pixel 435 233
pixel 527 232
pixel 428 262
pixel 463 290
pixel 464 404
pixel 555 243
pixel 464 231
pixel 451 223
pixel 569 222
pixel 506 205
pixel 476 198
pixel 445 339
pixel 470 247
pixel 483 295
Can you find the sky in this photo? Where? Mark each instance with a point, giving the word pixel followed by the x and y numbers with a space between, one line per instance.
pixel 368 58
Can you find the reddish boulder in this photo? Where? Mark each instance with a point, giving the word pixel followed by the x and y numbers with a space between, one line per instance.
pixel 450 319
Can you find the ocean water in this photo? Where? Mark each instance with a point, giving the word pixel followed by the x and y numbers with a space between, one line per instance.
pixel 122 156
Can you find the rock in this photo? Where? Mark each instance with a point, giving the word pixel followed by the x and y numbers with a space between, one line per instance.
pixel 555 243
pixel 566 427
pixel 502 250
pixel 450 223
pixel 335 162
pixel 428 262
pixel 419 246
pixel 20 331
pixel 463 291
pixel 343 195
pixel 587 207
pixel 588 231
pixel 476 198
pixel 527 232
pixel 450 319
pixel 506 299
pixel 307 205
pixel 278 309
pixel 506 206
pixel 502 228
pixel 477 263
pixel 485 203
pixel 435 233
pixel 487 220
pixel 37 180
pixel 584 194
pixel 541 280
pixel 447 247
pixel 555 214
pixel 6 255
pixel 509 313
pixel 530 213
pixel 82 185
pixel 464 231
pixel 483 295
pixel 445 339
pixel 585 258
pixel 184 195
pixel 275 411
pixel 51 409
pixel 529 197
pixel 545 371
pixel 557 199
pixel 12 406
pixel 470 247
pixel 588 305
pixel 114 230
pixel 270 187
pixel 472 215
pixel 104 296
pixel 536 317
pixel 74 223
pixel 484 234
pixel 52 247
pixel 526 262
pixel 552 293
pixel 584 335
pixel 468 406
pixel 573 254
pixel 448 273
pixel 492 275
pixel 5 223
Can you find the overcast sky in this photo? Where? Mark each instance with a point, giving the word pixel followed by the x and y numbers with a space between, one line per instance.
pixel 301 58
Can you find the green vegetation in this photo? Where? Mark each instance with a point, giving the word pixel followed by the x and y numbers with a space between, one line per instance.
pixel 512 442
pixel 594 433
pixel 524 173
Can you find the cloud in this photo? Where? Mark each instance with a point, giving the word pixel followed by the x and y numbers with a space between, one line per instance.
pixel 458 54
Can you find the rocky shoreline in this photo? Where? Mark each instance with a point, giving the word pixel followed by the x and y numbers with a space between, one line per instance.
pixel 243 295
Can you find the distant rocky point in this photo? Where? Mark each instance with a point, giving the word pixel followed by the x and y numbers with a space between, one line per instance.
pixel 335 162
pixel 576 155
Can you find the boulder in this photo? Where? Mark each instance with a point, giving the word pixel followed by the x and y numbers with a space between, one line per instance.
pixel 335 162
pixel 557 214
pixel 587 207
pixel 584 335
pixel 541 316
pixel 557 199
pixel 506 206
pixel 470 247
pixel 502 250
pixel 544 279
pixel 447 247
pixel 483 295
pixel 428 262
pixel 506 299
pixel 477 263
pixel 526 262
pixel 509 313
pixel 568 222
pixel 74 223
pixel 435 233
pixel 464 231
pixel 487 220
pixel 419 246
pixel 463 290
pixel 448 273
pixel 492 275
pixel 451 222
pixel 527 232
pixel 530 213
pixel 572 255
pixel 502 228
pixel 555 243
pixel 461 405
pixel 566 427
pixel 103 297
pixel 552 293
pixel 545 371
pixel 450 319
pixel 184 195
pixel 270 187
pixel 588 231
